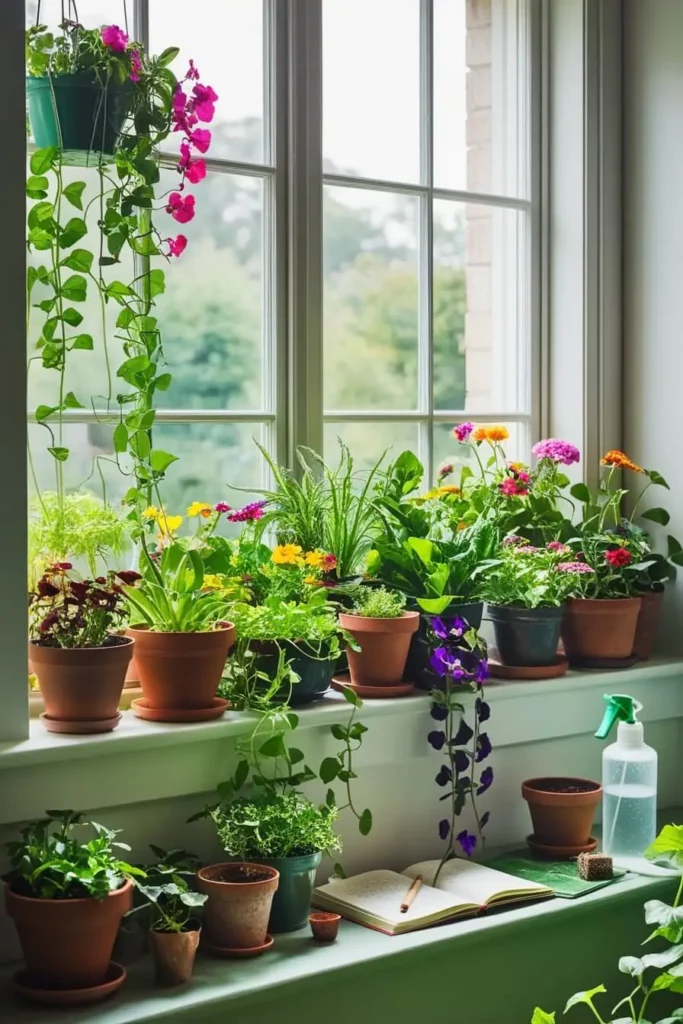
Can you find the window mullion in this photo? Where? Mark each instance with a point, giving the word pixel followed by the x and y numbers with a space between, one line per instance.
pixel 425 382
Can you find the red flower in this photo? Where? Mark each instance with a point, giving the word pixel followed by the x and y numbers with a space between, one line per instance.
pixel 61 567
pixel 128 576
pixel 47 589
pixel 618 557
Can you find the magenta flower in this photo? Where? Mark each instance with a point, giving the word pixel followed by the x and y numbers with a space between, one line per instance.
pixel 249 513
pixel 462 431
pixel 222 506
pixel 181 208
pixel 512 488
pixel 558 547
pixel 204 100
pixel 573 567
pixel 445 470
pixel 196 171
pixel 135 66
pixel 192 71
pixel 176 246
pixel 512 540
pixel 526 549
pixel 179 101
pixel 557 451
pixel 201 139
pixel 114 38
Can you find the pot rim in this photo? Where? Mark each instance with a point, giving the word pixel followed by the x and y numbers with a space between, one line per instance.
pixel 128 641
pixel 141 628
pixel 603 600
pixel 9 892
pixel 532 786
pixel 273 875
pixel 324 916
pixel 197 927
pixel 554 608
pixel 270 861
pixel 369 624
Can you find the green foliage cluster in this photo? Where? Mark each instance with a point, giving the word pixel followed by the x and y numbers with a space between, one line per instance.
pixel 379 603
pixel 275 825
pixel 79 526
pixel 523 576
pixel 168 890
pixel 312 623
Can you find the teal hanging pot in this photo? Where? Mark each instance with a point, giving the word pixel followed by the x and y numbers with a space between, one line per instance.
pixel 78 114
pixel 292 900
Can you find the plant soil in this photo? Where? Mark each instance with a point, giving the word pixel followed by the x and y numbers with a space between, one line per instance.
pixel 111 641
pixel 560 786
pixel 242 873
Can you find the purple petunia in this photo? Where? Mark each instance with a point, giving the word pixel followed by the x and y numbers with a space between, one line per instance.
pixel 445 663
pixel 467 842
pixel 484 747
pixel 557 451
pixel 444 829
pixel 483 710
pixel 461 761
pixel 444 777
pixel 439 712
pixel 485 780
pixel 463 735
pixel 437 739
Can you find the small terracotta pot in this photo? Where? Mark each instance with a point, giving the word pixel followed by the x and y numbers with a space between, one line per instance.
pixel 67 944
pixel 647 626
pixel 180 670
pixel 81 684
pixel 240 897
pixel 384 647
pixel 324 926
pixel 174 954
pixel 562 809
pixel 132 674
pixel 600 628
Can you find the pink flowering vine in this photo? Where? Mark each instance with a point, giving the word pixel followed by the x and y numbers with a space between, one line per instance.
pixel 114 38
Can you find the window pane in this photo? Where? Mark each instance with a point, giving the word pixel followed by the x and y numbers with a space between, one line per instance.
pixel 225 40
pixel 370 299
pixel 371 88
pixel 91 13
pixel 481 306
pixel 447 449
pixel 368 441
pixel 211 312
pixel 481 96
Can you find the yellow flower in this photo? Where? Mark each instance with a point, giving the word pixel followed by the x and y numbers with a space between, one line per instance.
pixel 448 489
pixel 314 558
pixel 310 579
pixel 286 554
pixel 212 582
pixel 617 458
pixel 151 512
pixel 198 508
pixel 434 493
pixel 168 524
pixel 491 434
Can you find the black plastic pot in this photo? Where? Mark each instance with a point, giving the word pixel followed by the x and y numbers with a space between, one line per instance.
pixel 315 674
pixel 418 668
pixel 526 636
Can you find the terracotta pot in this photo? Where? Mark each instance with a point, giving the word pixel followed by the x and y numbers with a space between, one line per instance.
pixel 562 809
pixel 81 684
pixel 647 626
pixel 324 926
pixel 181 670
pixel 240 897
pixel 600 628
pixel 174 954
pixel 132 674
pixel 384 647
pixel 67 944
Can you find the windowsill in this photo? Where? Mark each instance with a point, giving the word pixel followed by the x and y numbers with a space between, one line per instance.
pixel 558 710
pixel 296 959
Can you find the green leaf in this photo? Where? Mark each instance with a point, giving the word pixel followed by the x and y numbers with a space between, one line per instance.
pixel 656 515
pixel 157 282
pixel 75 288
pixel 295 755
pixel 241 774
pixel 168 56
pixel 274 746
pixel 162 382
pixel 40 239
pixel 631 965
pixel 71 402
pixel 669 843
pixel 83 341
pixel 434 605
pixel 351 697
pixel 36 187
pixel 72 317
pixel 541 1017
pixel 339 732
pixel 61 454
pixel 120 437
pixel 657 478
pixel 657 912
pixel 584 997
pixel 43 411
pixel 74 192
pixel 43 159
pixel 137 364
pixel 581 493
pixel 73 232
pixel 160 460
pixel 365 822
pixel 139 444
pixel 665 958
pixel 329 769
pixel 662 982
pixel 79 259
pixel 330 798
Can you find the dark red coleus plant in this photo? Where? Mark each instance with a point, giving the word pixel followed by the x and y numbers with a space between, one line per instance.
pixel 66 610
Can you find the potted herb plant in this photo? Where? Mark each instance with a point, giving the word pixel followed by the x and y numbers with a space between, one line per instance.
pixel 174 932
pixel 526 589
pixel 382 629
pixel 79 660
pixel 66 897
pixel 182 640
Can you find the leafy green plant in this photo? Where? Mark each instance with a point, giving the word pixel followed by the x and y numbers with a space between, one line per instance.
pixel 172 904
pixel 50 863
pixel 270 824
pixel 668 962
pixel 523 576
pixel 340 767
pixel 81 526
pixel 312 623
pixel 67 611
pixel 379 603
pixel 615 560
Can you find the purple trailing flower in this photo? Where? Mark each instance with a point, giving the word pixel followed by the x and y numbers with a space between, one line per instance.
pixel 461 761
pixel 444 777
pixel 463 431
pixel 483 710
pixel 439 712
pixel 467 842
pixel 249 513
pixel 463 735
pixel 485 780
pixel 484 747
pixel 446 664
pixel 444 829
pixel 437 739
pixel 557 451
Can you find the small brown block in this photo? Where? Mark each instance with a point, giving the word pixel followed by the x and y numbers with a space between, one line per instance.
pixel 595 867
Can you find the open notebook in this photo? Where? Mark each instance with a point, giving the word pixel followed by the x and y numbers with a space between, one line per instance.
pixel 464 888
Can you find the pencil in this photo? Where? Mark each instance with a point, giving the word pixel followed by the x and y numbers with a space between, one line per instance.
pixel 411 894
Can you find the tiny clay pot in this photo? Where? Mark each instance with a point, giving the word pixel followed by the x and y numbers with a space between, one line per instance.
pixel 324 925
pixel 174 954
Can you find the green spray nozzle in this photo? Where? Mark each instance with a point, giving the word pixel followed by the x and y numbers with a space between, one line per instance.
pixel 620 708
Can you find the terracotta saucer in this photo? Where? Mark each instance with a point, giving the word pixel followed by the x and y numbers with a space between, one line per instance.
pixel 603 662
pixel 343 680
pixel 141 709
pixel 501 671
pixel 560 852
pixel 79 727
pixel 114 978
pixel 238 953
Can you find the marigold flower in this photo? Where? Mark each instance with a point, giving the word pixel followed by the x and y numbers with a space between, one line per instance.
pixel 461 526
pixel 618 558
pixel 287 554
pixel 151 512
pixel 447 489
pixel 314 558
pixel 198 508
pixel 614 457
pixel 494 433
pixel 168 524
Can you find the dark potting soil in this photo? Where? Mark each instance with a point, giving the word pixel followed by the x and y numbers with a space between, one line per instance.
pixel 564 786
pixel 243 873
pixel 111 641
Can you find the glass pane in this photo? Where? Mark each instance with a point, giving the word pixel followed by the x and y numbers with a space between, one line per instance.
pixel 370 299
pixel 371 88
pixel 215 459
pixel 225 40
pixel 91 13
pixel 481 124
pixel 481 308
pixel 211 312
pixel 447 450
pixel 368 441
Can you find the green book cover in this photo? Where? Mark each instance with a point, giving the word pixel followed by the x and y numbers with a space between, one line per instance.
pixel 560 876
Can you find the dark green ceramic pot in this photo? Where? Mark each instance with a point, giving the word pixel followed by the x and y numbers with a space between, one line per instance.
pixel 315 674
pixel 418 668
pixel 526 636
pixel 292 900
pixel 76 113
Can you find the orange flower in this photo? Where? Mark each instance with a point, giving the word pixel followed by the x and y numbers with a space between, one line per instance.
pixel 617 458
pixel 491 434
pixel 448 489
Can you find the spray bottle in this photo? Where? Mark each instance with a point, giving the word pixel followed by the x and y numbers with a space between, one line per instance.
pixel 629 781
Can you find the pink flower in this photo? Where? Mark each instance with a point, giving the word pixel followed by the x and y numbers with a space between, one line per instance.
pixel 201 139
pixel 573 567
pixel 179 101
pixel 558 547
pixel 181 208
pixel 135 66
pixel 445 470
pixel 176 246
pixel 249 513
pixel 204 99
pixel 114 38
pixel 194 170
pixel 512 488
pixel 512 540
pixel 221 506
pixel 557 451
pixel 192 71
pixel 523 477
pixel 463 431
pixel 526 549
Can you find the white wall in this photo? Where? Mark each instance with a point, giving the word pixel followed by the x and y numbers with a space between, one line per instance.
pixel 653 255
